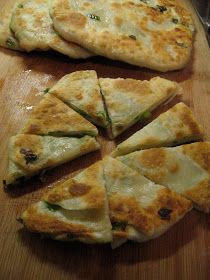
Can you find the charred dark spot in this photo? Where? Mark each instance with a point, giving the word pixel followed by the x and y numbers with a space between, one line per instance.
pixel 132 37
pixel 162 9
pixel 165 213
pixel 29 156
pixel 175 20
pixel 119 226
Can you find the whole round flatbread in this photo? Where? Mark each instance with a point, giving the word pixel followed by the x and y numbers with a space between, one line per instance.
pixel 34 30
pixel 157 34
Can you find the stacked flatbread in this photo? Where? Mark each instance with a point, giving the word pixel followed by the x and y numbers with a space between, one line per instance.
pixel 134 197
pixel 60 129
pixel 28 26
pixel 137 194
pixel 154 34
pixel 53 134
pixel 130 208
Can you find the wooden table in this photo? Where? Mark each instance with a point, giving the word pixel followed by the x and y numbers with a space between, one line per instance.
pixel 182 253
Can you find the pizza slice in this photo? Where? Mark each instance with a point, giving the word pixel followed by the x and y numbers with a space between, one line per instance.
pixel 140 210
pixel 184 169
pixel 29 154
pixel 76 209
pixel 81 91
pixel 127 99
pixel 174 127
pixel 52 117
pixel 7 38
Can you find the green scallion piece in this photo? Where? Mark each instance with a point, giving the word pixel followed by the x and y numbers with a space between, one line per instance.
pixel 95 17
pixel 52 207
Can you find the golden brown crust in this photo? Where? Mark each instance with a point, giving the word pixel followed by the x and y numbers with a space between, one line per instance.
pixel 175 126
pixel 52 117
pixel 36 221
pixel 153 157
pixel 33 27
pixel 127 99
pixel 88 186
pixel 24 145
pixel 187 121
pixel 168 200
pixel 139 33
pixel 7 38
pixel 201 195
pixel 131 86
pixel 200 153
pixel 146 220
pixel 28 154
pixel 128 210
pixel 184 169
pixel 80 90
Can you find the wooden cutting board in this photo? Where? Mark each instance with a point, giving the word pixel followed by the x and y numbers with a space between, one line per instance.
pixel 182 253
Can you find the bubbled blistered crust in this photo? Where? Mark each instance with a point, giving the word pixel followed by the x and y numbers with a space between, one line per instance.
pixel 51 116
pixel 132 31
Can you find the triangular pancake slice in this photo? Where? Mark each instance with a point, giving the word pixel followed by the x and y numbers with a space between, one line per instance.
pixel 184 169
pixel 139 209
pixel 81 91
pixel 7 38
pixel 29 154
pixel 176 126
pixel 52 117
pixel 128 99
pixel 76 209
pixel 84 191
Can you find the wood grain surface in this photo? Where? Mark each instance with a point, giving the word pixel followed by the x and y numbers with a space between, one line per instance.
pixel 182 253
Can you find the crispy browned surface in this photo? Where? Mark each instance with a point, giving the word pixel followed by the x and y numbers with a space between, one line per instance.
pixel 91 191
pixel 200 153
pixel 81 91
pixel 161 164
pixel 183 252
pixel 32 26
pixel 186 116
pixel 146 220
pixel 131 31
pixel 52 116
pixel 46 223
pixel 127 99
